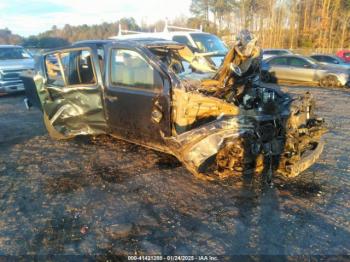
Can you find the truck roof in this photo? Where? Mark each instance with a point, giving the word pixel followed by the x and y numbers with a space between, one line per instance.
pixel 147 42
pixel 91 42
pixel 163 35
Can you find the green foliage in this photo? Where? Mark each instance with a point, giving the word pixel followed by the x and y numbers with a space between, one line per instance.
pixel 56 37
pixel 200 8
pixel 6 37
pixel 44 42
pixel 204 9
pixel 84 32
pixel 129 24
pixel 305 42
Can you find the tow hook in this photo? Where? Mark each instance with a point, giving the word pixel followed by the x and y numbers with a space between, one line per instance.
pixel 27 103
pixel 269 172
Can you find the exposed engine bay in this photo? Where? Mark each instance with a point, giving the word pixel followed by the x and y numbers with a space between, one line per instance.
pixel 227 123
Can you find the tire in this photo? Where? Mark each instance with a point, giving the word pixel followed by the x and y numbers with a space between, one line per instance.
pixel 265 77
pixel 323 82
pixel 330 81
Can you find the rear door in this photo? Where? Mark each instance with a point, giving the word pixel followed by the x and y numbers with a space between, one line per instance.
pixel 69 88
pixel 301 70
pixel 137 96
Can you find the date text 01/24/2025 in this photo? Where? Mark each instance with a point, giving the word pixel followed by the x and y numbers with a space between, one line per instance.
pixel 172 258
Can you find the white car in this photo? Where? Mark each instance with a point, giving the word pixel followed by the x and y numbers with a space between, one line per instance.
pixel 198 41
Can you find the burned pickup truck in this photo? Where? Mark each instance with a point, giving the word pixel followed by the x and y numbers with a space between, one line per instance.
pixel 158 94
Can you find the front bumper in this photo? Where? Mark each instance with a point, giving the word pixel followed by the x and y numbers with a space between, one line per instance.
pixel 288 146
pixel 308 160
pixel 11 86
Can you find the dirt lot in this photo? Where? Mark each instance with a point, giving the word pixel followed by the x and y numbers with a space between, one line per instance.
pixel 105 196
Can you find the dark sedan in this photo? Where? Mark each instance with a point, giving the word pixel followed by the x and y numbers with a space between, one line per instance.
pixel 331 60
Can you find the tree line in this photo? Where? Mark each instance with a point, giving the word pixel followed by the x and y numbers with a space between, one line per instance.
pixel 316 24
pixel 7 37
pixel 56 37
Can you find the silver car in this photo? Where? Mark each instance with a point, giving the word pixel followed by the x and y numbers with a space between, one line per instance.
pixel 296 68
pixel 14 60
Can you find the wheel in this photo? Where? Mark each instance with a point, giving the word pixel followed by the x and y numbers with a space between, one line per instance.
pixel 330 81
pixel 323 82
pixel 265 77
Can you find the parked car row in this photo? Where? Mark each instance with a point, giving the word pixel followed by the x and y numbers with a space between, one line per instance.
pixel 342 57
pixel 277 64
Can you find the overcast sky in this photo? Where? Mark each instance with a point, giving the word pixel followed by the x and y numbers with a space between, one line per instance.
pixel 28 17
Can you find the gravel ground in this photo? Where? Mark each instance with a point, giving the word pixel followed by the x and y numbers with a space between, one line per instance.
pixel 103 196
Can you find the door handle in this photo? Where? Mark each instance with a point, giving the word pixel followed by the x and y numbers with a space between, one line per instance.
pixel 112 98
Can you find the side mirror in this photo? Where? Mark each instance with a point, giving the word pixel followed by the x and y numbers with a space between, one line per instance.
pixel 307 66
pixel 235 70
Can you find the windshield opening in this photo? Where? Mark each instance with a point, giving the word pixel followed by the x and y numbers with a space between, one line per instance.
pixel 183 61
pixel 209 43
pixel 8 53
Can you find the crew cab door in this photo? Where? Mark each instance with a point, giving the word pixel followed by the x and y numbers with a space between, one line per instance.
pixel 137 96
pixel 70 93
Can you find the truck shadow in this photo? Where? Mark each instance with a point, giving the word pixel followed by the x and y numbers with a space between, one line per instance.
pixel 174 213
